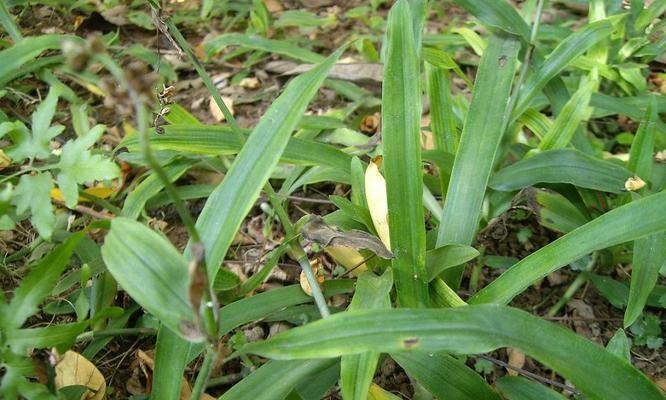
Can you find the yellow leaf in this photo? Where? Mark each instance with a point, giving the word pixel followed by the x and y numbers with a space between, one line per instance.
pixel 99 191
pixel 377 393
pixel 74 369
pixel 348 258
pixel 375 193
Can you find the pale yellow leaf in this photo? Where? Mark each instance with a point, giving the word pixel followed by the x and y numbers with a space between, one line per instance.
pixel 215 110
pixel 348 258
pixel 377 393
pixel 375 192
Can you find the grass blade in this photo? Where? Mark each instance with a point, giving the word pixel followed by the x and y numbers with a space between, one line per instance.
pixel 498 14
pixel 478 144
pixel 445 377
pixel 562 166
pixel 519 388
pixel 356 371
pixel 401 117
pixel 272 46
pixel 620 225
pixel 467 330
pixel 276 379
pixel 570 48
pixel 228 205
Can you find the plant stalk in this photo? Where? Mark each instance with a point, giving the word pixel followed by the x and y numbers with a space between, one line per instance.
pixel 202 377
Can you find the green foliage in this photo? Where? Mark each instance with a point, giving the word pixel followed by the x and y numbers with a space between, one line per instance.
pixel 558 119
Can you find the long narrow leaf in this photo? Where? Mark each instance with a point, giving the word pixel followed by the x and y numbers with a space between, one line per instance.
pixel 498 14
pixel 466 330
pixel 519 388
pixel 401 116
pixel 478 144
pixel 562 166
pixel 228 205
pixel 629 222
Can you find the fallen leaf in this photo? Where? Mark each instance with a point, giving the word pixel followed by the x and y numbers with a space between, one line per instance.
pixel 516 359
pixel 375 192
pixel 369 73
pixel 316 230
pixel 74 369
pixel 250 83
pixel 215 110
pixel 634 183
pixel 273 6
pixel 305 285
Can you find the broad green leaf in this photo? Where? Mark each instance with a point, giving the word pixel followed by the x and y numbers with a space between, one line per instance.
pixel 498 14
pixel 568 120
pixel 38 284
pixel 555 211
pixel 519 388
pixel 228 205
pixel 8 23
pixel 33 193
pixel 78 165
pixel 219 140
pixel 629 222
pixel 356 371
pixel 562 166
pixel 37 143
pixel 152 185
pixel 152 271
pixel 448 256
pixel 617 293
pixel 566 51
pixel 467 330
pixel 275 379
pixel 480 139
pixel 401 133
pixel 444 376
pixel 619 345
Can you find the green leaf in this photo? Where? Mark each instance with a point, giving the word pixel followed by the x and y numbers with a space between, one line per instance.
pixel 356 371
pixel 444 376
pixel 272 46
pixel 37 144
pixel 498 14
pixel 566 51
pixel 219 140
pixel 275 379
pixel 620 225
pixel 33 193
pixel 555 211
pixel 14 58
pixel 640 155
pixel 562 166
pixel 574 111
pixel 619 345
pixel 152 185
pixel 60 335
pixel 474 329
pixel 448 256
pixel 78 165
pixel 480 139
pixel 443 125
pixel 171 357
pixel 38 284
pixel 152 272
pixel 649 256
pixel 519 388
pixel 401 116
pixel 228 205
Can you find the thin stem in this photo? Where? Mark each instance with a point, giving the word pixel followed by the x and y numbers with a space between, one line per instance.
pixel 142 126
pixel 525 65
pixel 100 202
pixel 297 251
pixel 90 335
pixel 529 374
pixel 568 295
pixel 202 377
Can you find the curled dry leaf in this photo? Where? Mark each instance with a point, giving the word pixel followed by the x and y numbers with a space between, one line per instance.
pixel 634 184
pixel 215 110
pixel 305 285
pixel 316 230
pixel 375 193
pixel 74 369
pixel 516 360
